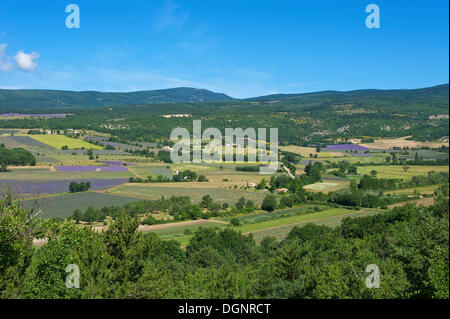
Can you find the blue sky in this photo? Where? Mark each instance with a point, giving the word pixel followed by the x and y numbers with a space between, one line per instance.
pixel 242 48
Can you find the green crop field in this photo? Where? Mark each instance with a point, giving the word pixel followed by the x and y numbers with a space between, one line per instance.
pixel 153 171
pixel 58 141
pixel 194 190
pixel 248 228
pixel 64 205
pixel 260 216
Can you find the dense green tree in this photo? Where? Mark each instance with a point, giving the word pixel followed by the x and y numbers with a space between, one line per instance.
pixel 269 203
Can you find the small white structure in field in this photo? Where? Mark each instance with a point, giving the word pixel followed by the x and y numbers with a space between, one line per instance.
pixel 98 169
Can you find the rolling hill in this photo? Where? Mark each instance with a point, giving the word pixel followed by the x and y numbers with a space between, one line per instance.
pixel 433 98
pixel 53 99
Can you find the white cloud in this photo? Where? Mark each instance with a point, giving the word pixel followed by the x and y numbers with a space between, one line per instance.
pixel 26 62
pixel 5 65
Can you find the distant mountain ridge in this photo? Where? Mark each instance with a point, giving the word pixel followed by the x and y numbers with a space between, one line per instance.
pixel 56 99
pixel 437 89
pixel 32 100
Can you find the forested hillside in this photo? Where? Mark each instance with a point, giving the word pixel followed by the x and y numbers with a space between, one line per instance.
pixel 301 120
pixel 52 99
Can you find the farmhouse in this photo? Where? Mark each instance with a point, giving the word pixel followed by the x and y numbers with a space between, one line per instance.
pixel 176 115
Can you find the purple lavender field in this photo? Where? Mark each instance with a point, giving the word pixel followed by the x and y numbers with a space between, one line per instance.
pixel 55 115
pixel 55 186
pixel 90 168
pixel 28 141
pixel 345 147
pixel 121 145
pixel 95 152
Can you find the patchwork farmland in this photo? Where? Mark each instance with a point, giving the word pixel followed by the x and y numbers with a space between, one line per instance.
pixel 110 171
pixel 107 183
pixel 114 188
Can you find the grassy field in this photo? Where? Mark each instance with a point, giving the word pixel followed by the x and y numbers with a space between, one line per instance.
pixel 194 190
pixel 249 228
pixel 179 231
pixel 64 205
pixel 260 216
pixel 57 141
pixel 397 171
pixel 159 170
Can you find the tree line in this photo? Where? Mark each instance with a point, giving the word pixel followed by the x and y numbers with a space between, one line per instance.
pixel 409 245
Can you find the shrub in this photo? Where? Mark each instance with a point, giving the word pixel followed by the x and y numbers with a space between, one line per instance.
pixel 269 203
pixel 234 222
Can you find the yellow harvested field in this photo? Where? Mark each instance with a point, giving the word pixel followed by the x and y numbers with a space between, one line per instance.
pixel 429 189
pixel 326 187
